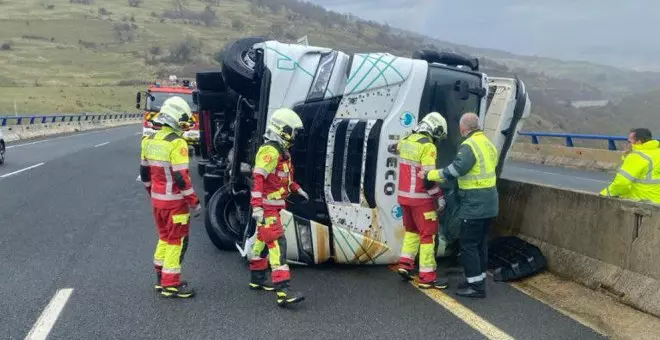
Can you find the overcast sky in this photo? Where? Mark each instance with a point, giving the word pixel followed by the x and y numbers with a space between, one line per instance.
pixel 555 28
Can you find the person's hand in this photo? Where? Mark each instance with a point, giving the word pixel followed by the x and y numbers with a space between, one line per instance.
pixel 258 214
pixel 304 195
pixel 422 174
pixel 442 203
pixel 197 210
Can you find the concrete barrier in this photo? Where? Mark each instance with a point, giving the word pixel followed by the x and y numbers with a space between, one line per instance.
pixel 607 244
pixel 21 132
pixel 559 155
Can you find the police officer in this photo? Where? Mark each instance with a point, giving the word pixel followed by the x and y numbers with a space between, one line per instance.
pixel 474 167
pixel 638 178
pixel 417 153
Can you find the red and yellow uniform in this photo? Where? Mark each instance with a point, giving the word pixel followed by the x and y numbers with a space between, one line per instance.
pixel 417 154
pixel 272 184
pixel 164 172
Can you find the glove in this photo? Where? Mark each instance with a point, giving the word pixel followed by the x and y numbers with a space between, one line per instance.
pixel 197 210
pixel 441 204
pixel 258 214
pixel 304 195
pixel 422 174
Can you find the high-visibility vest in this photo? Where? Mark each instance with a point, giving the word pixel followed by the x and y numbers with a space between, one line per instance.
pixel 272 177
pixel 638 178
pixel 482 175
pixel 417 154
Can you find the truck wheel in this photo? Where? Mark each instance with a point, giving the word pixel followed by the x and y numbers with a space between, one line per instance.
pixel 221 220
pixel 238 65
pixel 2 152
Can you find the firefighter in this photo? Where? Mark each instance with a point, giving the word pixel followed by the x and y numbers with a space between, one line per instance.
pixel 272 183
pixel 474 167
pixel 417 153
pixel 164 172
pixel 638 178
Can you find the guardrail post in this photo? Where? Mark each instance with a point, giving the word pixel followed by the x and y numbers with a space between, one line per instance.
pixel 4 121
pixel 535 139
pixel 32 120
pixel 19 120
pixel 569 142
pixel 611 145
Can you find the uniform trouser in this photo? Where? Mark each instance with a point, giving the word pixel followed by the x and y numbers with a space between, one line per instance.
pixel 421 225
pixel 474 251
pixel 270 248
pixel 173 227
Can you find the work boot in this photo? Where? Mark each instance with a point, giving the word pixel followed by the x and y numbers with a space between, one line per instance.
pixel 286 296
pixel 440 283
pixel 406 274
pixel 181 291
pixel 258 281
pixel 157 286
pixel 472 292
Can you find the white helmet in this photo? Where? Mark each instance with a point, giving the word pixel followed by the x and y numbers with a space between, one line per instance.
pixel 283 126
pixel 175 113
pixel 433 123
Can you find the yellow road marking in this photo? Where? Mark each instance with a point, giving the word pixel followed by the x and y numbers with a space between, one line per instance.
pixel 473 320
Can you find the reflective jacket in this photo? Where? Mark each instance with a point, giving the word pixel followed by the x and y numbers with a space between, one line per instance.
pixel 417 154
pixel 474 168
pixel 164 170
pixel 638 178
pixel 272 177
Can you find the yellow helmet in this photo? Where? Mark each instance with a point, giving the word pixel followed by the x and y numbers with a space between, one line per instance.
pixel 435 124
pixel 285 124
pixel 175 113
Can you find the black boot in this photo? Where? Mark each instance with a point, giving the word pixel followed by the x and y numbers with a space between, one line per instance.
pixel 181 291
pixel 258 281
pixel 406 274
pixel 286 296
pixel 473 290
pixel 157 286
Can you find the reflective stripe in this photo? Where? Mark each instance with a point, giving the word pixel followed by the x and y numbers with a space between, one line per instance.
pixel 413 178
pixel 452 170
pixel 282 174
pixel 170 183
pixel 158 163
pixel 188 192
pixel 429 167
pixel 275 202
pixel 159 262
pixel 260 171
pixel 626 175
pixel 144 162
pixel 408 256
pixel 166 197
pixel 434 191
pixel 171 270
pixel 256 194
pixel 409 162
pixel 414 194
pixel 178 167
pixel 649 173
pixel 283 268
pixel 426 269
pixel 474 279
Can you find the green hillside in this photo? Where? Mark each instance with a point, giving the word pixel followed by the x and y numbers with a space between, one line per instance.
pixel 91 55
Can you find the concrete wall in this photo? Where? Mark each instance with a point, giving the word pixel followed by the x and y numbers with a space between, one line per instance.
pixel 579 158
pixel 20 132
pixel 607 244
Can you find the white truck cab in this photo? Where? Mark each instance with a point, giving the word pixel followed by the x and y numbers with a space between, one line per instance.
pixel 354 108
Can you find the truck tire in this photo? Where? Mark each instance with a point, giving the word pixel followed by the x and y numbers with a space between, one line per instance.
pixel 220 221
pixel 2 152
pixel 238 66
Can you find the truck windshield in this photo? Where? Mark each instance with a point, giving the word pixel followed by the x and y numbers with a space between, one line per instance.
pixel 160 97
pixel 440 95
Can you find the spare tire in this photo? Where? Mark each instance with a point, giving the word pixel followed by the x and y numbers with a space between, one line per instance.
pixel 238 60
pixel 221 222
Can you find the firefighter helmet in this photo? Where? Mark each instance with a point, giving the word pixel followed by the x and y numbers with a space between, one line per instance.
pixel 435 124
pixel 175 113
pixel 284 124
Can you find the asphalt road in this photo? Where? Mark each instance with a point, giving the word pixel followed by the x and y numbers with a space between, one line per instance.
pixel 574 179
pixel 81 221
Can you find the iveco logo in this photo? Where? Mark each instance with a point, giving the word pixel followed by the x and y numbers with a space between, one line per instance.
pixel 407 119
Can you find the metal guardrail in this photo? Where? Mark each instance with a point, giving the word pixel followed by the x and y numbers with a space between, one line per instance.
pixel 569 137
pixel 46 119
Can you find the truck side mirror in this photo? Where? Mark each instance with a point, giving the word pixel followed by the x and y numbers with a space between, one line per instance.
pixel 137 100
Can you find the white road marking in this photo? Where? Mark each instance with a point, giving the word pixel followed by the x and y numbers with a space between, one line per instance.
pixel 24 169
pixel 52 139
pixel 49 316
pixel 102 144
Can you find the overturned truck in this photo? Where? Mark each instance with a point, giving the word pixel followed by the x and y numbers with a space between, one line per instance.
pixel 354 108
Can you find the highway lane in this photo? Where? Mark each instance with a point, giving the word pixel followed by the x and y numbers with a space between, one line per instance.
pixel 81 221
pixel 576 179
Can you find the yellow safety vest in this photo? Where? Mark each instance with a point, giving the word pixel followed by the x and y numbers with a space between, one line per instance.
pixel 638 178
pixel 482 175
